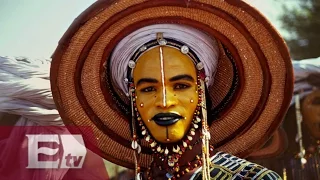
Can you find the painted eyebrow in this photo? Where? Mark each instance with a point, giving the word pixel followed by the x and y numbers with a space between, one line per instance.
pixel 182 77
pixel 146 80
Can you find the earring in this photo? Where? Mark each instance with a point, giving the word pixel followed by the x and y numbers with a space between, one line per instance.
pixel 141 105
pixel 191 100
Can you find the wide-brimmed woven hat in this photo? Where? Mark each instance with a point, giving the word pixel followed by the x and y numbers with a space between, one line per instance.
pixel 273 148
pixel 252 87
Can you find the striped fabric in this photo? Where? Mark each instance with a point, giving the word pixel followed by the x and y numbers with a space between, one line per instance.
pixel 226 167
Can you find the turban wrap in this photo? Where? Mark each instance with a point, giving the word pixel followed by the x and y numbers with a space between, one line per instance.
pixel 205 47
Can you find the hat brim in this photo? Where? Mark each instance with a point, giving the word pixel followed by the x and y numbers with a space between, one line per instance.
pixel 252 90
pixel 274 147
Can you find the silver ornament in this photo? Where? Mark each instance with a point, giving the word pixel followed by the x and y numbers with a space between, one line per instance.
pixel 184 49
pixel 131 64
pixel 162 42
pixel 200 66
pixel 143 48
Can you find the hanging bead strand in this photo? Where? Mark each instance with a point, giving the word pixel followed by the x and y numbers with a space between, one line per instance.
pixel 135 145
pixel 205 134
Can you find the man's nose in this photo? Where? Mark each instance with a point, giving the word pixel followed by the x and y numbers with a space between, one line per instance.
pixel 166 99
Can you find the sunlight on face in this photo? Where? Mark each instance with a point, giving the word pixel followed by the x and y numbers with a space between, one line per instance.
pixel 166 93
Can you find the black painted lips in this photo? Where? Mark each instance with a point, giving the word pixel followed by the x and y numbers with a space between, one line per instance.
pixel 166 119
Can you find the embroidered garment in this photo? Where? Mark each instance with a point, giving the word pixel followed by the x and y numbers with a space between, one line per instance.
pixel 225 166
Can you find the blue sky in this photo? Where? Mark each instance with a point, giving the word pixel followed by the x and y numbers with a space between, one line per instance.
pixel 32 28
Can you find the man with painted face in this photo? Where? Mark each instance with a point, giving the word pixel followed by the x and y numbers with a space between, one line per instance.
pixel 170 86
pixel 166 80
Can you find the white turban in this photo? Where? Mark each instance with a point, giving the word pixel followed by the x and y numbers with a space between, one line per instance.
pixel 200 43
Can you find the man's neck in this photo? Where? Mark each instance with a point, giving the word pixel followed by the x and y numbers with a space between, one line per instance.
pixel 189 161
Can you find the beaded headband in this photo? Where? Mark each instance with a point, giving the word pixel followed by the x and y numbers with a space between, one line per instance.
pixel 160 41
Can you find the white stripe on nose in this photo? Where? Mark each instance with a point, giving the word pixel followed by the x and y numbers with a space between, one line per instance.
pixel 162 79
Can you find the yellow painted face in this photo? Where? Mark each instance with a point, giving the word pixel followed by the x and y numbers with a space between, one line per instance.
pixel 166 90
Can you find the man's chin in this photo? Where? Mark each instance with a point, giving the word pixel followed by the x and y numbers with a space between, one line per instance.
pixel 169 134
pixel 175 134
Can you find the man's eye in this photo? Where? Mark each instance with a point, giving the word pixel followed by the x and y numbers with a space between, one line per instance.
pixel 181 86
pixel 148 89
